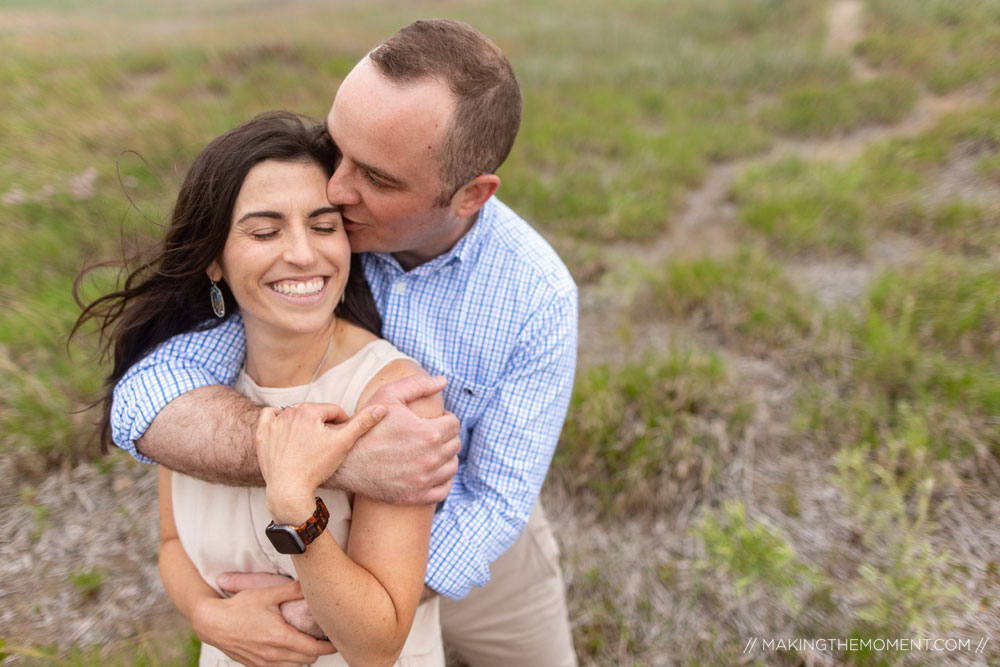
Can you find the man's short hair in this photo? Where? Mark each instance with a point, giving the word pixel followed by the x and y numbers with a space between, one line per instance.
pixel 487 96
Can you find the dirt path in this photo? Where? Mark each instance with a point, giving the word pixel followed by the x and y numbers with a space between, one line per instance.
pixel 707 224
pixel 844 30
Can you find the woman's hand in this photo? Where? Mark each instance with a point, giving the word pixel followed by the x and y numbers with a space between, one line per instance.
pixel 296 612
pixel 299 447
pixel 249 628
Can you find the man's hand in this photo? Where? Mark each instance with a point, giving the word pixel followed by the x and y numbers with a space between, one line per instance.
pixel 405 460
pixel 298 448
pixel 295 612
pixel 249 628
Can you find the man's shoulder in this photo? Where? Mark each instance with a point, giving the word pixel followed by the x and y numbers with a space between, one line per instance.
pixel 517 252
pixel 203 343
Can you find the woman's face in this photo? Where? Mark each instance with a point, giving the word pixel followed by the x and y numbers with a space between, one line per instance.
pixel 287 257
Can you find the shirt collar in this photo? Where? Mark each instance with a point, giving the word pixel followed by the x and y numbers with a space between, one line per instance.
pixel 464 250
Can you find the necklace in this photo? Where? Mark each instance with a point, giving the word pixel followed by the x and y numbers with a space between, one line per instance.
pixel 316 372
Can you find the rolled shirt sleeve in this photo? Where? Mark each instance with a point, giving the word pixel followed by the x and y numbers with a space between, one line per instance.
pixel 178 365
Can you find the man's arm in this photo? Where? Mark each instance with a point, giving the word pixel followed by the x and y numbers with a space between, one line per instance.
pixel 508 455
pixel 179 365
pixel 419 473
pixel 172 407
pixel 206 433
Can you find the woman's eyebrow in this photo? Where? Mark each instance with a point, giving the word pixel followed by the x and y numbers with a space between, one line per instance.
pixel 260 214
pixel 324 210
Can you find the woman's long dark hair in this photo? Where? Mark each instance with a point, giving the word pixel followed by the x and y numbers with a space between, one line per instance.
pixel 167 292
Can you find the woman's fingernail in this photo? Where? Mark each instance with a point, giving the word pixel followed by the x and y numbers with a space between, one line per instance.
pixel 379 412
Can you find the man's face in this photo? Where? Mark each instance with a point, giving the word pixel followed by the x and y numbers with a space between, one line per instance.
pixel 387 182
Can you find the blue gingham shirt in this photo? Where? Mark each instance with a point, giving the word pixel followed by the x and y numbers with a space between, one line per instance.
pixel 496 315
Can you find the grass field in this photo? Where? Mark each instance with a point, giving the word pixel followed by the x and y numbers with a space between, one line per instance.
pixel 784 218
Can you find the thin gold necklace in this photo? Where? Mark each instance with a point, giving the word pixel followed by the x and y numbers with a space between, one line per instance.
pixel 318 367
pixel 315 374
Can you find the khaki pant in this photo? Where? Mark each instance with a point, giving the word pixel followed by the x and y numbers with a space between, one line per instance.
pixel 519 617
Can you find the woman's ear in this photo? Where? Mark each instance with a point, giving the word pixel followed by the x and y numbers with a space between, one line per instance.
pixel 214 271
pixel 471 196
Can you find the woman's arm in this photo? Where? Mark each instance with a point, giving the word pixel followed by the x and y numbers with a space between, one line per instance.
pixel 365 598
pixel 247 627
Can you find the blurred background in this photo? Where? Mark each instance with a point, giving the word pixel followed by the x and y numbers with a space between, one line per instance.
pixel 784 219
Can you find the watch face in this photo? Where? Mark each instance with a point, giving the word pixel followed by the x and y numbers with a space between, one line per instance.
pixel 285 539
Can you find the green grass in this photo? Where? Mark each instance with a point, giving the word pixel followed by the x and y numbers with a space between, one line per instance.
pixel 931 335
pixel 907 580
pixel 744 299
pixel 87 582
pixel 755 558
pixel 925 341
pixel 829 109
pixel 799 205
pixel 955 225
pixel 945 44
pixel 803 206
pixel 641 437
pixel 141 652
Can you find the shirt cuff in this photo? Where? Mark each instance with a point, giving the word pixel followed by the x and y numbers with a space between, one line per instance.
pixel 137 401
pixel 463 544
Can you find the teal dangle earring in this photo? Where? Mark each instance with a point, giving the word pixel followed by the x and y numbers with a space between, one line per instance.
pixel 218 304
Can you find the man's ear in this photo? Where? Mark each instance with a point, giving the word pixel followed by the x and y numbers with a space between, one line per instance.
pixel 471 196
pixel 214 271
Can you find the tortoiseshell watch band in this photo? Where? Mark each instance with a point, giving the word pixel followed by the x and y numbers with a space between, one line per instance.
pixel 294 540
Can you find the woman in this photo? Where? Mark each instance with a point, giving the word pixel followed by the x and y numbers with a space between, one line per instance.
pixel 252 231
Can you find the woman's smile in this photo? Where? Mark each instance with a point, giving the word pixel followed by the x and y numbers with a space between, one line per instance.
pixel 299 288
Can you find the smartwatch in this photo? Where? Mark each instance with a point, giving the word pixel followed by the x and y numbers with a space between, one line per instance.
pixel 294 539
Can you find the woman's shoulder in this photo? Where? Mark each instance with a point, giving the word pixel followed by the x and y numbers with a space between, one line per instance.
pixel 396 369
pixel 389 365
pixel 363 342
pixel 356 338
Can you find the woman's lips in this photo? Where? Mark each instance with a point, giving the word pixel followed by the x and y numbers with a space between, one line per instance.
pixel 301 290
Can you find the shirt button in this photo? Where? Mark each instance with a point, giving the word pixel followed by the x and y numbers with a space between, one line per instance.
pixel 399 287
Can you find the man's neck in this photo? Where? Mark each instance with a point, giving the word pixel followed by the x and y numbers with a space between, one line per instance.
pixel 411 259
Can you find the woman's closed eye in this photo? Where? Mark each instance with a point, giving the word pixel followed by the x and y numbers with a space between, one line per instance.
pixel 326 227
pixel 264 234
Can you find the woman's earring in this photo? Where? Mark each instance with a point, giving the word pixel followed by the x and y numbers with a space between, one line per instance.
pixel 343 295
pixel 218 304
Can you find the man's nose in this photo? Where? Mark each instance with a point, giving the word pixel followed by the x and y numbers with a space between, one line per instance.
pixel 340 189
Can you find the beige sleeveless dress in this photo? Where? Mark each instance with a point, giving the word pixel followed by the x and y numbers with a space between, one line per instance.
pixel 222 527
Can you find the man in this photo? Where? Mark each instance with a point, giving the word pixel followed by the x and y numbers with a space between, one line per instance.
pixel 464 286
